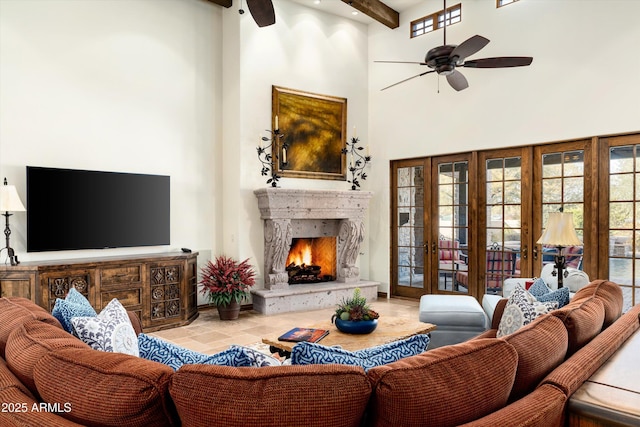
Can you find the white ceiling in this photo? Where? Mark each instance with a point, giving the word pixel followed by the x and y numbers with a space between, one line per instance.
pixel 338 7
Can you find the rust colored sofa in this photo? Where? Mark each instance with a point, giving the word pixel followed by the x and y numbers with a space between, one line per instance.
pixel 48 377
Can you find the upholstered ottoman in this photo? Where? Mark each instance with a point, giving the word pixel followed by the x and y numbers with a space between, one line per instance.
pixel 457 318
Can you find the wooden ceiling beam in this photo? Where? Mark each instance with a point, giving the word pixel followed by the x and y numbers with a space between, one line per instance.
pixel 224 3
pixel 376 10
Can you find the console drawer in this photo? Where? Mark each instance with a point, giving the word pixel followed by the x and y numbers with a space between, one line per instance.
pixel 123 275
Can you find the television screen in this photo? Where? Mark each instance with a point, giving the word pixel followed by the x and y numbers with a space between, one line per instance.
pixel 78 209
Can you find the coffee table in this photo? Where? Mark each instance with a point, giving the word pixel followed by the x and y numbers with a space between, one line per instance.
pixel 389 329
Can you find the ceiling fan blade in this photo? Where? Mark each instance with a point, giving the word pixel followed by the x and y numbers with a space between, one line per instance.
pixel 406 80
pixel 457 80
pixel 262 12
pixel 499 62
pixel 468 48
pixel 402 62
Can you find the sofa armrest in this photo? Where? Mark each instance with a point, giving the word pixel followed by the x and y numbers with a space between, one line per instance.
pixel 497 313
pixel 135 322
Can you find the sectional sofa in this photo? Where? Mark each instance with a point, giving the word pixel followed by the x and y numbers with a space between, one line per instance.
pixel 49 377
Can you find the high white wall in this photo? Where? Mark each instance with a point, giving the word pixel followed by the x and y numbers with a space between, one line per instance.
pixel 306 50
pixel 584 81
pixel 131 86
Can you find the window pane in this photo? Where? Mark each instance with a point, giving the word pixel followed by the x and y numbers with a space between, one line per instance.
pixel 494 193
pixel 621 187
pixel 512 192
pixel 574 163
pixel 573 190
pixel 621 159
pixel 494 170
pixel 621 215
pixel 552 190
pixel 551 165
pixel 513 168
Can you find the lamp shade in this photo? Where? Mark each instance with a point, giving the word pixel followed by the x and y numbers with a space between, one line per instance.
pixel 560 231
pixel 9 199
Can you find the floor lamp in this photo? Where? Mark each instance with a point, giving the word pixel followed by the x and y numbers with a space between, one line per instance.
pixel 10 202
pixel 560 232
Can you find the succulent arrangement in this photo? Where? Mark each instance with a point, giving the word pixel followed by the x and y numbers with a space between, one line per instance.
pixel 354 308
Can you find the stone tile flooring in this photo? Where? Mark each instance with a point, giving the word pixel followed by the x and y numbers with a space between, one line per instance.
pixel 208 334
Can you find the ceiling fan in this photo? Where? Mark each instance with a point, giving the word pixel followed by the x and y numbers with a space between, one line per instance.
pixel 444 59
pixel 262 12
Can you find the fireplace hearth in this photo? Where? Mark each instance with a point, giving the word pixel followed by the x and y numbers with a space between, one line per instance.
pixel 323 217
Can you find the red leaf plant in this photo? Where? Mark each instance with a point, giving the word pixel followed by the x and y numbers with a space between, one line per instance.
pixel 225 280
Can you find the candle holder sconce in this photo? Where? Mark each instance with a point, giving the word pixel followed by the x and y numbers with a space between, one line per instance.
pixel 269 159
pixel 356 162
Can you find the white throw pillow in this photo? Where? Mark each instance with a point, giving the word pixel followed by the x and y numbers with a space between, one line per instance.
pixel 522 308
pixel 111 330
pixel 575 279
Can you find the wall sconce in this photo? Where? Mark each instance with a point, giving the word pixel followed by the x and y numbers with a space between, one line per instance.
pixel 10 202
pixel 560 232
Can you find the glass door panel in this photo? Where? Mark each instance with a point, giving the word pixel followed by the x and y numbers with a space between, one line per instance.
pixel 501 202
pixel 624 217
pixel 408 230
pixel 452 189
pixel 563 190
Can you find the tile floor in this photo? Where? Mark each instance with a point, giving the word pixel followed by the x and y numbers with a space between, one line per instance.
pixel 208 334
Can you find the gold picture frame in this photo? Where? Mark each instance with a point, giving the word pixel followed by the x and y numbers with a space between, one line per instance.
pixel 314 134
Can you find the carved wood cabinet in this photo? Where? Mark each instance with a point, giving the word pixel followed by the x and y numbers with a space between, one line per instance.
pixel 160 288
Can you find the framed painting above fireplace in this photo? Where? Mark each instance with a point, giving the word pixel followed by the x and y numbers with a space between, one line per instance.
pixel 314 134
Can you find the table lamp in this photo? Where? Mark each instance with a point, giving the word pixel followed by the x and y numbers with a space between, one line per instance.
pixel 560 232
pixel 10 202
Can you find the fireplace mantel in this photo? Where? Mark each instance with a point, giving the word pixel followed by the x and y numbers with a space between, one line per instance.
pixel 296 213
pixel 280 203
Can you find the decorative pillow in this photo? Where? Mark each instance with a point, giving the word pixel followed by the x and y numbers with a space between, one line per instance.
pixel 110 330
pixel 74 305
pixel 543 294
pixel 522 308
pixel 306 353
pixel 175 356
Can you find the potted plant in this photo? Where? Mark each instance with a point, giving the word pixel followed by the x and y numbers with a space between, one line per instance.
pixel 226 283
pixel 353 315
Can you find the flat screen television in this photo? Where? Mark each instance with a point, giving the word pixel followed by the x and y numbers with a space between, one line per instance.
pixel 70 209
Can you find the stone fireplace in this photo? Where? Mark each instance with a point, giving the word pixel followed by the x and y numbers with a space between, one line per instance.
pixel 292 215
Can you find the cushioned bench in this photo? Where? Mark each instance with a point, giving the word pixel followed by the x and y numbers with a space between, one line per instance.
pixel 457 318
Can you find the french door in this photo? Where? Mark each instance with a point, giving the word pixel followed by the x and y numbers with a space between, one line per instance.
pixel 430 246
pixel 619 242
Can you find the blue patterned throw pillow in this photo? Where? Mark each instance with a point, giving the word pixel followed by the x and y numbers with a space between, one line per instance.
pixel 543 294
pixel 306 353
pixel 521 309
pixel 111 330
pixel 74 305
pixel 175 356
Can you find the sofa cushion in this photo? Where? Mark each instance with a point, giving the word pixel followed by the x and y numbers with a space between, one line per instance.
pixel 21 409
pixel 14 311
pixel 583 319
pixel 306 353
pixel 313 395
pixel 107 389
pixel 543 294
pixel 74 305
pixel 609 293
pixel 174 356
pixel 444 387
pixel 111 330
pixel 541 347
pixel 521 309
pixel 32 340
pixel 543 407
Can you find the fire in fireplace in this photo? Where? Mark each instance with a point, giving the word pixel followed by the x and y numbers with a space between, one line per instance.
pixel 312 260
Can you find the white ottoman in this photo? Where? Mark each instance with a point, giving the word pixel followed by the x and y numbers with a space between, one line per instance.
pixel 457 318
